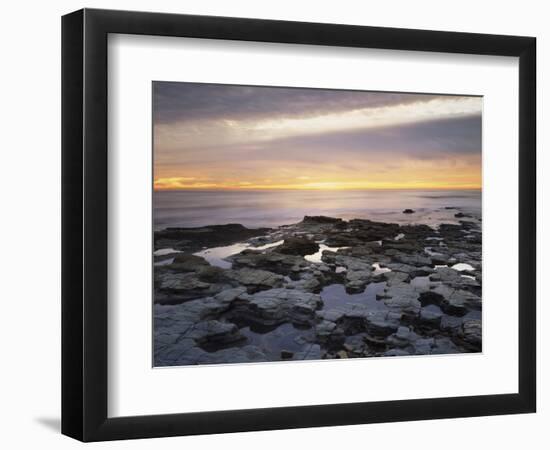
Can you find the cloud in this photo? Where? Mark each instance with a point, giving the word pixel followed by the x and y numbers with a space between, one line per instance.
pixel 176 101
pixel 216 136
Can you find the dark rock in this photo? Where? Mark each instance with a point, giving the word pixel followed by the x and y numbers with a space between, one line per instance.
pixel 382 324
pixel 200 308
pixel 430 317
pixel 403 337
pixel 298 246
pixel 215 334
pixel 271 261
pixel 177 287
pixel 424 346
pixel 211 274
pixel 471 333
pixel 276 306
pixel 321 219
pixel 194 239
pixel 408 211
pixel 396 352
pixel 188 263
pixel 328 333
pixel 286 354
pixel 401 297
pixel 256 280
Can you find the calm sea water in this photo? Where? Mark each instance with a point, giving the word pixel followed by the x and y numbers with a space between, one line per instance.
pixel 256 209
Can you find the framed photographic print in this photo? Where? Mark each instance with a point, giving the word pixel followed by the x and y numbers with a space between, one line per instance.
pixel 273 224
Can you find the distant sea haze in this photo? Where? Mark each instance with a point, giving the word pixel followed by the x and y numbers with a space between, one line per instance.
pixel 272 208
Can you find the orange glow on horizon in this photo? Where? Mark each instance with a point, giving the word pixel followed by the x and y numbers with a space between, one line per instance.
pixel 163 185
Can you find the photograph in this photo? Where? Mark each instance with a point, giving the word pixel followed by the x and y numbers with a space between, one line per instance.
pixel 309 224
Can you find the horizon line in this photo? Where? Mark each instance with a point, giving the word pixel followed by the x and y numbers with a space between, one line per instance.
pixel 425 188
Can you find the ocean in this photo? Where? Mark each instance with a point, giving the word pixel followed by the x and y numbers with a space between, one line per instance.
pixel 272 208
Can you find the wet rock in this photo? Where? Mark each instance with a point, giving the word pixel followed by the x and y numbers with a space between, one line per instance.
pixel 356 280
pixel 444 346
pixel 271 261
pixel 446 275
pixel 276 306
pixel 396 352
pixel 396 277
pixel 382 324
pixel 354 321
pixel 413 260
pixel 450 324
pixel 298 246
pixel 409 246
pixel 321 220
pixel 424 346
pixel 439 259
pixel 401 296
pixel 188 263
pixel 471 333
pixel 255 279
pixel 177 287
pixel 215 333
pixel 203 306
pixel 311 353
pixel 286 354
pixel 430 317
pixel 195 239
pixel 229 295
pixel 329 333
pixel 455 302
pixel 308 282
pixel 355 345
pixel 211 274
pixel 408 211
pixel 402 338
pixel 331 315
pixel 404 268
pixel 421 272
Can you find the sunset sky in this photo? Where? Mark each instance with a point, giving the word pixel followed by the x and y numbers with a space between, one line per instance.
pixel 210 136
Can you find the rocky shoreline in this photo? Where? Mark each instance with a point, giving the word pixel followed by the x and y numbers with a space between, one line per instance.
pixel 323 288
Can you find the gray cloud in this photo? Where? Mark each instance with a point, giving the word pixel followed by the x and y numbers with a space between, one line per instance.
pixel 423 140
pixel 433 140
pixel 177 101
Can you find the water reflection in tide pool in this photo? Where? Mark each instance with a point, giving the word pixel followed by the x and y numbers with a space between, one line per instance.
pixel 379 270
pixel 316 257
pixel 216 256
pixel 335 297
pixel 422 282
pixel 272 340
pixel 462 266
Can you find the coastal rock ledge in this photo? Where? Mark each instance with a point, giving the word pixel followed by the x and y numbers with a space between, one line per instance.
pixel 322 288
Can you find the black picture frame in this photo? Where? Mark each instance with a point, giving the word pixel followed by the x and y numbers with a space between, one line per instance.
pixel 84 224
